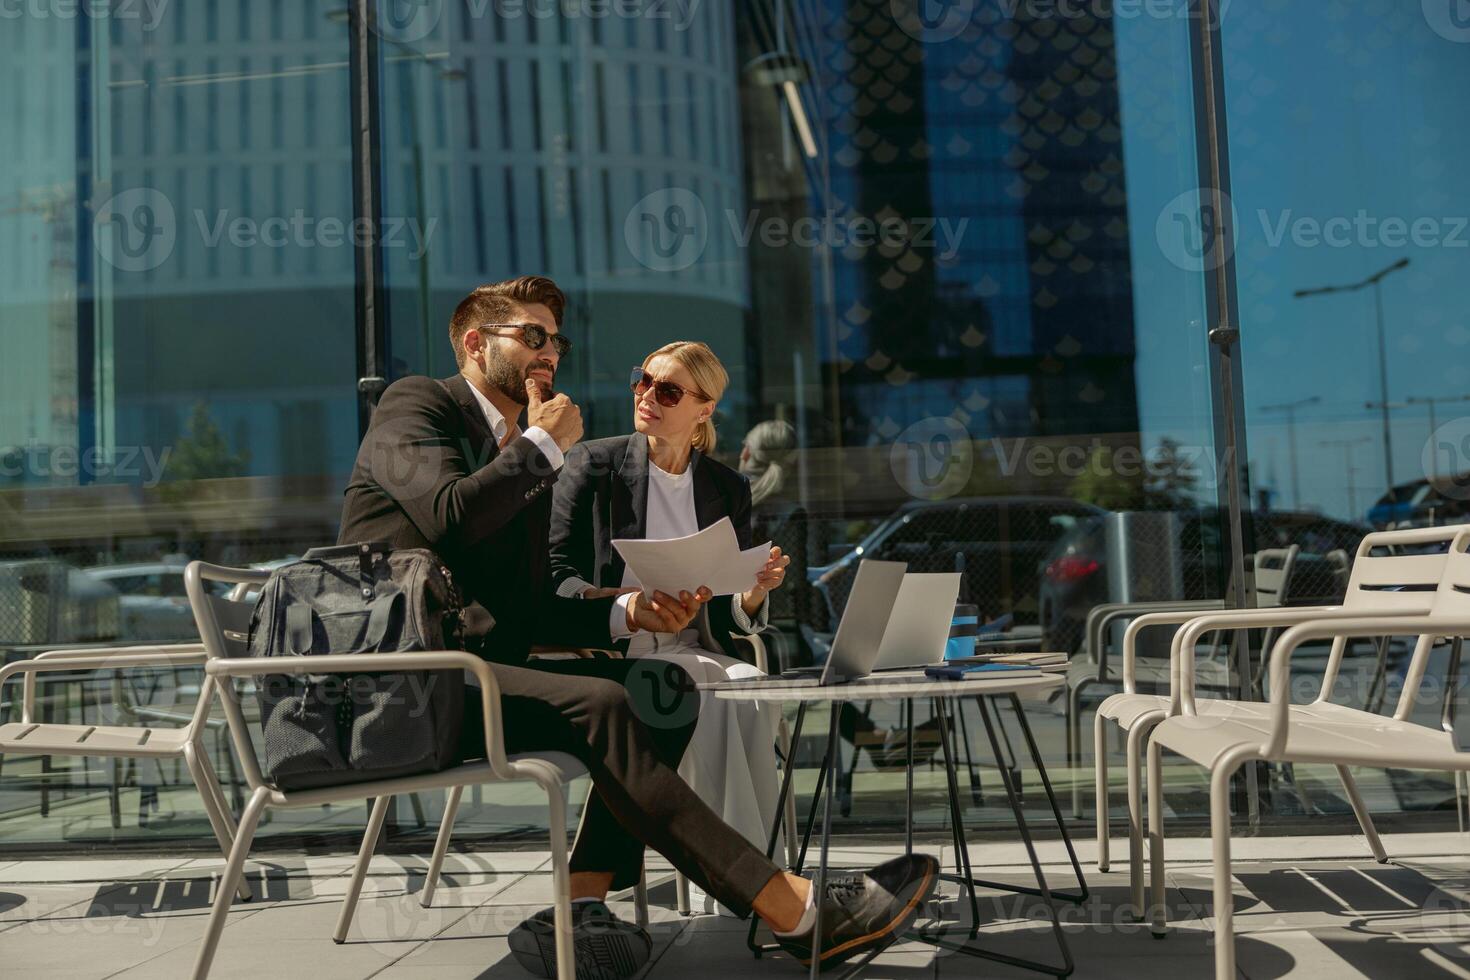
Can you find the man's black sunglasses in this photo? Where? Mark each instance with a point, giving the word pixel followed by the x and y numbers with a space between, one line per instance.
pixel 666 393
pixel 534 336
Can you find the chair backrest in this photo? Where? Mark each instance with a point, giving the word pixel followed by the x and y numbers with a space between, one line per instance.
pixel 1273 575
pixel 1387 574
pixel 224 628
pixel 1451 602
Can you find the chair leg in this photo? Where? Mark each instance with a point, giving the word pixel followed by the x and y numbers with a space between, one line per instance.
pixel 249 820
pixel 1360 810
pixel 1074 743
pixel 1100 766
pixel 1224 891
pixel 218 822
pixel 1135 811
pixel 1158 915
pixel 681 894
pixel 640 899
pixel 359 872
pixel 441 844
pixel 790 815
pixel 561 881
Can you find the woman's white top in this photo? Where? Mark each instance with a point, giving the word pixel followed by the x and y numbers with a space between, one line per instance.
pixel 670 514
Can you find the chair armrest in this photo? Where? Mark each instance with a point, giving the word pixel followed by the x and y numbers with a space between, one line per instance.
pixel 762 657
pixel 116 660
pixel 85 652
pixel 1425 627
pixel 1181 668
pixel 374 663
pixel 1100 618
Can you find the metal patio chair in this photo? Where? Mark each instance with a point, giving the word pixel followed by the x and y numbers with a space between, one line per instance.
pixel 1381 583
pixel 224 625
pixel 1321 732
pixel 122 741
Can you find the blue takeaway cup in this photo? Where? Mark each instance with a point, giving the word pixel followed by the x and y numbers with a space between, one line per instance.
pixel 962 632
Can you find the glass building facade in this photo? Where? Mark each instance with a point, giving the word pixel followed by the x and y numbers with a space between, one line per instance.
pixel 1092 302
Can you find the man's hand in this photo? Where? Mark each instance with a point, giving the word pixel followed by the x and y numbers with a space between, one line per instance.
pixel 560 418
pixel 768 580
pixel 665 614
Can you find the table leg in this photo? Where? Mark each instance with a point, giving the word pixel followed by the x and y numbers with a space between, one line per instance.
pixel 786 790
pixel 965 873
pixel 1042 890
pixel 1082 893
pixel 908 783
pixel 821 883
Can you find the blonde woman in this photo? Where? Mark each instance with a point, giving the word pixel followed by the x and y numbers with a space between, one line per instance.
pixel 660 482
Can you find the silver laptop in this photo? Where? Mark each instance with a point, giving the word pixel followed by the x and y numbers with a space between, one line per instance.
pixel 918 630
pixel 864 621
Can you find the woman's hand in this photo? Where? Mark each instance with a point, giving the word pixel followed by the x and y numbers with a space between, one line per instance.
pixel 767 581
pixel 595 593
pixel 665 613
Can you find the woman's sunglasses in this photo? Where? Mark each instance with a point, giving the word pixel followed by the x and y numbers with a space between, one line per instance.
pixel 533 335
pixel 666 393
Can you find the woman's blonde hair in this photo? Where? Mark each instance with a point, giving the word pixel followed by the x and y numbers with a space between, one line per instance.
pixel 709 375
pixel 771 444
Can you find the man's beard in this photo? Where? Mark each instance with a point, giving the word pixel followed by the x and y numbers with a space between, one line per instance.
pixel 502 373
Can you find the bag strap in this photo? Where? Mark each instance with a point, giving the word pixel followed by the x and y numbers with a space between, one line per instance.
pixel 300 617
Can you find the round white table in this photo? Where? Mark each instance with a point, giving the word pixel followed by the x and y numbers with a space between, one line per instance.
pixel 910 686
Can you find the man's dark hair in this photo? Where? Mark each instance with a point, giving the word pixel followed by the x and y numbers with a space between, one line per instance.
pixel 499 302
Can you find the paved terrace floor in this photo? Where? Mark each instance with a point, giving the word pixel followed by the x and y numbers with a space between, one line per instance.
pixel 1305 907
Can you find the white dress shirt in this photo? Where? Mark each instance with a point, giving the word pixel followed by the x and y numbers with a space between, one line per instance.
pixel 505 429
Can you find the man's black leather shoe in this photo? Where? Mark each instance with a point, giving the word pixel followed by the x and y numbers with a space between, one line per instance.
pixel 868 911
pixel 607 948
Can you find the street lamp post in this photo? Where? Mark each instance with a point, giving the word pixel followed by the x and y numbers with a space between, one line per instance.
pixel 1375 281
pixel 1290 409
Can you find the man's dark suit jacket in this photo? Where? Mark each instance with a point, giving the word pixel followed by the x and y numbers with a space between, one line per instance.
pixel 602 494
pixel 430 475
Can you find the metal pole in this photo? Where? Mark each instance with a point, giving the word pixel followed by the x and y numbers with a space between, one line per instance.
pixel 1383 385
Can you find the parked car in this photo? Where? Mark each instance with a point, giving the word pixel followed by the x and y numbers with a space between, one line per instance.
pixel 151 599
pixel 1421 503
pixel 1145 556
pixel 998 542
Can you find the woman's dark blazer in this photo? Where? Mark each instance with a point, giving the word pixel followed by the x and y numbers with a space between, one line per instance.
pixel 601 494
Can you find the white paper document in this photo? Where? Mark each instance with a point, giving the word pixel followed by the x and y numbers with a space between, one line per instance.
pixel 711 558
